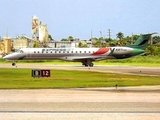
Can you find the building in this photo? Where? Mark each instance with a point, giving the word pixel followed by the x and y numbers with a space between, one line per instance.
pixel 21 42
pixel 7 45
pixel 62 44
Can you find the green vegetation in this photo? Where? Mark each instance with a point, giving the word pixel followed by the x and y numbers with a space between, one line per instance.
pixel 21 79
pixel 121 40
pixel 134 61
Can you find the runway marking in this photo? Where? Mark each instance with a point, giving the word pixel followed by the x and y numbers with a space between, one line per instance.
pixel 38 112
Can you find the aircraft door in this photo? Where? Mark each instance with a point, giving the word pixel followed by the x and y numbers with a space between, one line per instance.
pixel 28 54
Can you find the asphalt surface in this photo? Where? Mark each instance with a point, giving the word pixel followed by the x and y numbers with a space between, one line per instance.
pixel 151 71
pixel 83 103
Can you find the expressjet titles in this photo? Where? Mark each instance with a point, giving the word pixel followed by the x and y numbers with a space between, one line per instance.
pixel 53 49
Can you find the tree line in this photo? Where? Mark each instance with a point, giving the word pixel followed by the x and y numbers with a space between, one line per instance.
pixel 152 49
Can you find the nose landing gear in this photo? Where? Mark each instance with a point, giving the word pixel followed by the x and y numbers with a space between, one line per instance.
pixel 14 64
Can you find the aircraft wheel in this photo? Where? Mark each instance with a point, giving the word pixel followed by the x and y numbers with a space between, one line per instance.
pixel 91 64
pixel 13 64
pixel 86 65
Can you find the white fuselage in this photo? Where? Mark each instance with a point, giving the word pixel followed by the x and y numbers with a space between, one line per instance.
pixel 69 54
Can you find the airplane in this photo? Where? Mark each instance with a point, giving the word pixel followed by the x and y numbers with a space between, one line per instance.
pixel 84 55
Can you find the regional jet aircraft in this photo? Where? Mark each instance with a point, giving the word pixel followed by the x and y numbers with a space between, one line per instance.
pixel 84 55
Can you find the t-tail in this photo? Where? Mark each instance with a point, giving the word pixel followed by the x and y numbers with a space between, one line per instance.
pixel 142 41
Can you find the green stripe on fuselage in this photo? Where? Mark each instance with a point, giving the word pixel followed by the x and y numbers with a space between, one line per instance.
pixel 137 52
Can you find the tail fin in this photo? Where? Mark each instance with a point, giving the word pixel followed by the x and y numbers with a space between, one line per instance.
pixel 142 41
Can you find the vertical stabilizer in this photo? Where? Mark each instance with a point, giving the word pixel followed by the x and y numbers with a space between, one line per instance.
pixel 142 41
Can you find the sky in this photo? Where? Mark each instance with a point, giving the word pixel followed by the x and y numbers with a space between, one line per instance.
pixel 78 18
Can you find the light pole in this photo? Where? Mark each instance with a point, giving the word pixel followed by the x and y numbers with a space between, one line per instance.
pixel 100 38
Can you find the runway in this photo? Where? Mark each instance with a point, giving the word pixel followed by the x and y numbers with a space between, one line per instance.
pixel 147 71
pixel 83 103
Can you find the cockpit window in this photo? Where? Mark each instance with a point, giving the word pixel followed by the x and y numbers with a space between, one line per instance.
pixel 20 51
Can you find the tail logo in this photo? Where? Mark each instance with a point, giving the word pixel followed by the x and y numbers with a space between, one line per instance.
pixel 112 50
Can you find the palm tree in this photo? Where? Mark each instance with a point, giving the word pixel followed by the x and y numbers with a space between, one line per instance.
pixel 70 38
pixel 120 35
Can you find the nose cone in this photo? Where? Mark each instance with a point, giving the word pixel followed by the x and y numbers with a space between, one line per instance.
pixel 4 57
pixel 9 57
pixel 14 56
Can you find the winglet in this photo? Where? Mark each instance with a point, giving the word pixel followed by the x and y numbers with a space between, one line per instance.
pixel 154 33
pixel 150 33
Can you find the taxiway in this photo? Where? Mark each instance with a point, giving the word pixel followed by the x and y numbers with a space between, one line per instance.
pixel 147 71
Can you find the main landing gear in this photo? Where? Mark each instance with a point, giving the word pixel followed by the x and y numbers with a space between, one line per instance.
pixel 88 64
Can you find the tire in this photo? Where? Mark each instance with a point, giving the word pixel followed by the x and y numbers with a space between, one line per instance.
pixel 13 64
pixel 91 64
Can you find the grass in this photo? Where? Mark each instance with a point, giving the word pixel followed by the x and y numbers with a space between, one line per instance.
pixel 134 61
pixel 21 79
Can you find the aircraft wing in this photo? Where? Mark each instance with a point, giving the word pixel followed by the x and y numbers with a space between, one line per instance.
pixel 84 58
